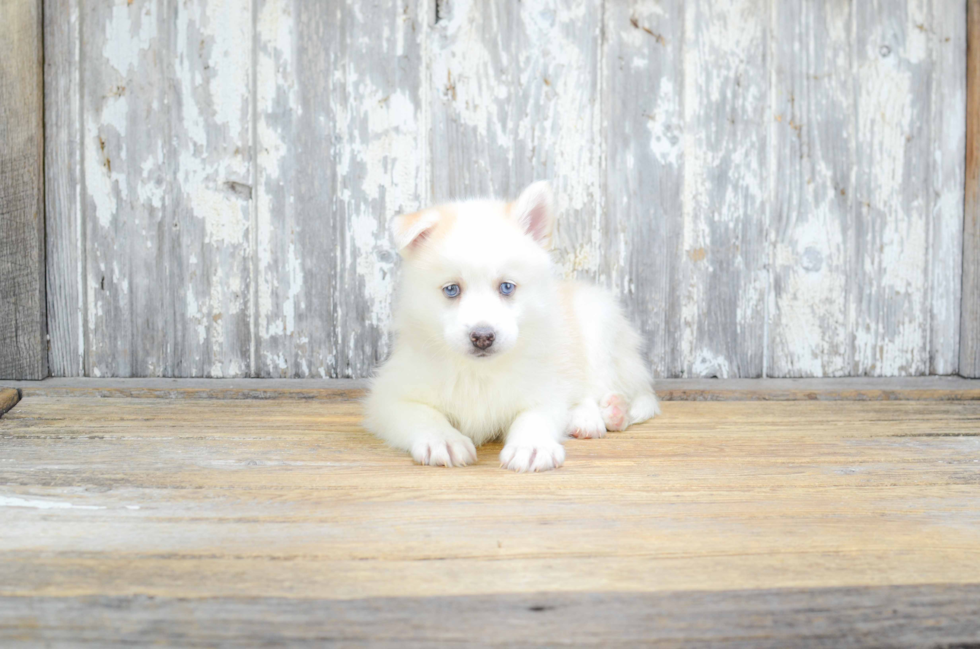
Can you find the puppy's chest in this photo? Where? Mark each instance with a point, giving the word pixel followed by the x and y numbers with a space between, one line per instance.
pixel 483 406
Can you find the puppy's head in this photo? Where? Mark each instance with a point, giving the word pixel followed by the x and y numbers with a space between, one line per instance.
pixel 477 274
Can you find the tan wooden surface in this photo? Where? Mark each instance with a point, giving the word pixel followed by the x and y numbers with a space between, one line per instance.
pixel 933 388
pixel 246 498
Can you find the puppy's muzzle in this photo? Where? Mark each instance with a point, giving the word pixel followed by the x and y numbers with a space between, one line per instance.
pixel 482 338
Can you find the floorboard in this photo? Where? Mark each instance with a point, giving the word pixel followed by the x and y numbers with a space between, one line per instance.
pixel 197 522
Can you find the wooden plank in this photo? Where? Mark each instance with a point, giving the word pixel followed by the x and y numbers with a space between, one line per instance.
pixel 62 188
pixel 643 90
pixel 340 135
pixel 127 189
pixel 866 244
pixel 23 351
pixel 890 252
pixel 723 277
pixel 210 207
pixel 217 499
pixel 893 616
pixel 166 211
pixel 858 389
pixel 947 155
pixel 506 111
pixel 970 310
pixel 814 144
pixel 8 399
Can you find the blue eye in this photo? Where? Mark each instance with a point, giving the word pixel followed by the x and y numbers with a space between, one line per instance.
pixel 451 290
pixel 506 288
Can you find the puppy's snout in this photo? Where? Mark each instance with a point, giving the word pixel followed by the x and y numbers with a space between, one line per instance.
pixel 482 337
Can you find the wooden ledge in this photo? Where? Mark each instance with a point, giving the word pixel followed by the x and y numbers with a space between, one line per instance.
pixel 933 388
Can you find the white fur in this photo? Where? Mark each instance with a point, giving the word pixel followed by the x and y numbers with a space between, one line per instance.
pixel 565 360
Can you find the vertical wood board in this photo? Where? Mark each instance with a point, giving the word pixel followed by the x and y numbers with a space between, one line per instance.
pixel 340 136
pixel 62 188
pixel 23 352
pixel 970 317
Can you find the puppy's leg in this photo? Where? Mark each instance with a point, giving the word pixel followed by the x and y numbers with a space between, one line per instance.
pixel 644 406
pixel 532 443
pixel 424 432
pixel 586 421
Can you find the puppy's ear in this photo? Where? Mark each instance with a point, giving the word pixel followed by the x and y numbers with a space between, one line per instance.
pixel 535 212
pixel 409 231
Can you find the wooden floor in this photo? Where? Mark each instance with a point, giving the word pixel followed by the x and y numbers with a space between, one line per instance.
pixel 201 522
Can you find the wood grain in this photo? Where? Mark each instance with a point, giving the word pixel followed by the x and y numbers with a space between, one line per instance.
pixel 892 246
pixel 23 350
pixel 514 98
pixel 894 616
pixel 772 188
pixel 726 66
pixel 166 211
pixel 644 130
pixel 198 498
pixel 63 188
pixel 814 144
pixel 340 141
pixel 970 313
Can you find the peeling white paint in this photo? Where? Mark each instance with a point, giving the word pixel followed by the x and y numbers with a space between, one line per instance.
pixel 665 125
pixel 870 303
pixel 122 48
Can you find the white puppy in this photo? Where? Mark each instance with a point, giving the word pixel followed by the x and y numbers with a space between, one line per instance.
pixel 489 342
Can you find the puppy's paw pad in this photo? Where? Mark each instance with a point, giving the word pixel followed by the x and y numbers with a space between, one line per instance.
pixel 586 425
pixel 435 451
pixel 526 458
pixel 614 412
pixel 583 432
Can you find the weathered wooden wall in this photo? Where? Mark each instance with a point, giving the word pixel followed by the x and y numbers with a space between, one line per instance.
pixel 775 188
pixel 23 352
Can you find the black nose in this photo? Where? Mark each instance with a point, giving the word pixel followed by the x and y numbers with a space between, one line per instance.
pixel 482 337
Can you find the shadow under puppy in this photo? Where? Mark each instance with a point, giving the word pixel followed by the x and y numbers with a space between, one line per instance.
pixel 489 342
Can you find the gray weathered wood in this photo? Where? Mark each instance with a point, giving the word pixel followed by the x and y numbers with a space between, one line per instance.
pixel 340 141
pixel 814 153
pixel 723 277
pixel 892 616
pixel 889 252
pixel 127 189
pixel 513 94
pixel 643 131
pixel 866 219
pixel 946 41
pixel 166 167
pixel 970 316
pixel 23 352
pixel 772 188
pixel 62 189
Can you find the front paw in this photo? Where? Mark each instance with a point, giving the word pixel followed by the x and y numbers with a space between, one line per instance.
pixel 440 450
pixel 540 455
